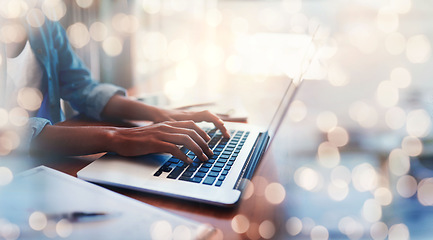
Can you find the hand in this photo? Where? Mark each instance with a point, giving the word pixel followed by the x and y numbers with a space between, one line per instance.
pixel 163 138
pixel 179 115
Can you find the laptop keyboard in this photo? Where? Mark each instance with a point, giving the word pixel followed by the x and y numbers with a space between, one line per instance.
pixel 215 170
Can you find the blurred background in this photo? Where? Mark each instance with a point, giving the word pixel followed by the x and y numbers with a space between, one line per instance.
pixel 355 153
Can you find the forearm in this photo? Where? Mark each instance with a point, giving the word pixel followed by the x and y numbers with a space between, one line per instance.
pixel 119 107
pixel 74 140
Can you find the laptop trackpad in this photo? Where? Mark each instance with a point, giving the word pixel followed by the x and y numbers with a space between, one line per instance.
pixel 115 166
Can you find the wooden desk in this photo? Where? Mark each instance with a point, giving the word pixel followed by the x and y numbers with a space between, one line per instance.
pixel 240 222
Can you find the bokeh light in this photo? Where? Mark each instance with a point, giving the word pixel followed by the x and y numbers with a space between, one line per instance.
pixel 13 8
pixel 84 3
pixel 351 227
pixel 294 226
pixel 6 176
pixel 38 221
pixel 98 31
pixel 383 196
pixel 64 228
pixel 112 46
pixel 30 98
pixel 182 232
pixel 412 146
pixel 338 136
pixel 341 176
pixel 275 193
pixel 9 231
pixel 406 186
pixel 18 116
pixel 338 192
pixel 337 76
pixel 398 162
pixel 319 233
pixel 425 192
pixel 267 229
pixel 387 94
pixel 161 230
pixel 240 223
pixel 54 9
pixel 379 231
pixel 364 114
pixel 35 17
pixel 326 121
pixel 418 49
pixel 249 190
pixel 307 178
pixel 398 232
pixel 328 155
pixel 395 118
pixel 297 111
pixel 78 35
pixel 371 210
pixel 418 123
pixel 12 33
pixel 364 177
pixel 4 117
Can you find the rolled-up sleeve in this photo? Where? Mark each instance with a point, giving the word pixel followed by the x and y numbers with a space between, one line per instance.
pixel 35 126
pixel 76 84
pixel 99 96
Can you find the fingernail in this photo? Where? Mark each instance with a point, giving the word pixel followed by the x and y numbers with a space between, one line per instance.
pixel 205 157
pixel 189 160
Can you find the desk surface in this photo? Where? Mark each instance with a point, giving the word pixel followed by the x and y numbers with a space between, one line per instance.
pixel 230 222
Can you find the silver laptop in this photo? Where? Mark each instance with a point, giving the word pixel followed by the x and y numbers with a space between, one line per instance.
pixel 219 181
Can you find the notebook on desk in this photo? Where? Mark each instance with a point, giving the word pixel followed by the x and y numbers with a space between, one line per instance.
pixel 219 181
pixel 42 203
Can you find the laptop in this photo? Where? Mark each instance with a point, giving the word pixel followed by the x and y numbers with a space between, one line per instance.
pixel 219 181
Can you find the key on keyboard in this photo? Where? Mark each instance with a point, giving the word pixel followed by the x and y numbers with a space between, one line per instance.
pixel 216 168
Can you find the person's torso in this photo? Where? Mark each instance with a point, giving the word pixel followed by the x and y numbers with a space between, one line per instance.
pixel 23 83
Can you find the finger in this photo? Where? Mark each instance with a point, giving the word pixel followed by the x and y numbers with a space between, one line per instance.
pixel 166 147
pixel 191 125
pixel 187 141
pixel 190 128
pixel 210 117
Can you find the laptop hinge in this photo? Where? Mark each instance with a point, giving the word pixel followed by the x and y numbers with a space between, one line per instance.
pixel 252 160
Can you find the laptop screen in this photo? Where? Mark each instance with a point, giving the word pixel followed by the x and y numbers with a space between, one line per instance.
pixel 292 88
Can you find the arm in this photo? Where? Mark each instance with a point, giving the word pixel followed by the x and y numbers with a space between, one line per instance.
pixel 123 108
pixel 156 138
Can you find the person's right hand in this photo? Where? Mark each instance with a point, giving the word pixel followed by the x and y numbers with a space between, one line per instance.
pixel 162 138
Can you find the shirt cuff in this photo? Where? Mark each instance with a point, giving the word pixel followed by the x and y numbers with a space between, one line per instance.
pixel 99 97
pixel 36 125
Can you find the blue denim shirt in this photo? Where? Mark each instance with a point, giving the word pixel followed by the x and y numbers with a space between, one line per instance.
pixel 64 77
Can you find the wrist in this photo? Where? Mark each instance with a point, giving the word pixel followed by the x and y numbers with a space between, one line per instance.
pixel 110 136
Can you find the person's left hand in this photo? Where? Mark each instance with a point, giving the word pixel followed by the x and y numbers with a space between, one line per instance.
pixel 180 115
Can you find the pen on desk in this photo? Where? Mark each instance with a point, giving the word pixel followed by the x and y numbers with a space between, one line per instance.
pixel 79 216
